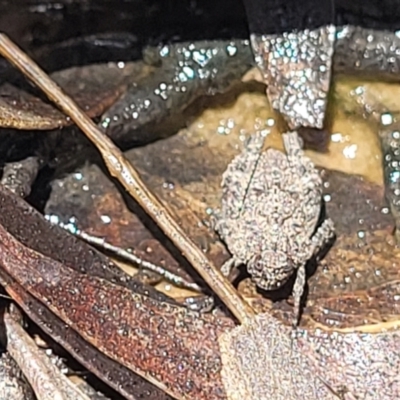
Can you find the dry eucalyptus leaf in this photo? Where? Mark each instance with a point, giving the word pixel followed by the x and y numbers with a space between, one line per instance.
pixel 33 231
pixel 133 326
pixel 357 284
pixel 173 348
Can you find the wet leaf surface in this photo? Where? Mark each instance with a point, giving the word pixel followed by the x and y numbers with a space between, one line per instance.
pixel 355 286
pixel 355 205
pixel 351 288
pixel 94 88
pixel 185 172
pixel 358 283
pixel 88 200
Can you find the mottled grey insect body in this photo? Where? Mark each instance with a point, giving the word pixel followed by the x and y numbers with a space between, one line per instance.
pixel 271 204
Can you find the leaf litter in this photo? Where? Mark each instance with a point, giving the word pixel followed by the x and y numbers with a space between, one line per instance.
pixel 199 194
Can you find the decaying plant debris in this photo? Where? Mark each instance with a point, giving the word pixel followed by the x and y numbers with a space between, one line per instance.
pixel 140 341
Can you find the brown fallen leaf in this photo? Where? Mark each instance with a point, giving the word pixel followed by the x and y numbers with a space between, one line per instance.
pixel 355 204
pixel 34 231
pixel 261 362
pixel 179 160
pixel 168 345
pixel 196 343
pixel 357 284
pixel 95 88
pixel 120 378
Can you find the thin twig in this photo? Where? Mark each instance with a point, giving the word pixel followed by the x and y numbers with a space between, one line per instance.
pixel 121 168
pixel 126 255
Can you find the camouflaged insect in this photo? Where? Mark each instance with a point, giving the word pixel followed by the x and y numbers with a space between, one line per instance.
pixel 271 204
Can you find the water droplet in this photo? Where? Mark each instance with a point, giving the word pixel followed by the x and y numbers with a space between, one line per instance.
pixel 168 185
pixel 327 198
pixel 78 176
pixel 105 123
pixel 337 138
pixel 394 176
pixel 164 52
pixel 53 219
pixel 359 90
pixel 105 219
pixel 189 72
pixel 225 126
pixel 231 50
pixel 350 151
pixel 386 119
